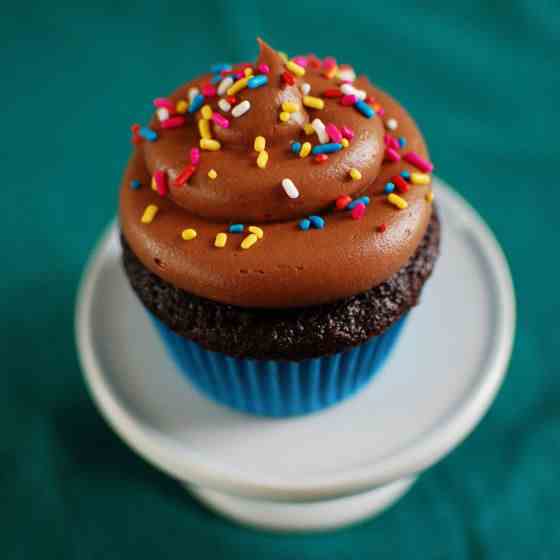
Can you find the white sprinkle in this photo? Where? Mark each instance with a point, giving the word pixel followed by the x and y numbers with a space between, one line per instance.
pixel 349 89
pixel 347 74
pixel 224 105
pixel 162 113
pixel 225 84
pixel 297 117
pixel 319 128
pixel 289 188
pixel 192 93
pixel 241 108
pixel 392 124
pixel 305 88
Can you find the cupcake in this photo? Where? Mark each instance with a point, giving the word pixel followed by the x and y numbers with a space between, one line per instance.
pixel 277 224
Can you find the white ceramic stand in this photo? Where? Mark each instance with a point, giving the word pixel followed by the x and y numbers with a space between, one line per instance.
pixel 328 469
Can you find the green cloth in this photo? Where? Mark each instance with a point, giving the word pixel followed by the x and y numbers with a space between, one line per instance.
pixel 482 79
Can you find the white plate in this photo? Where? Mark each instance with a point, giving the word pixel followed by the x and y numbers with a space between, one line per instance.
pixel 429 396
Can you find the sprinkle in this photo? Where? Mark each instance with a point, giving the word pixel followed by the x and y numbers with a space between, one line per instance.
pixel 224 85
pixel 288 78
pixel 305 150
pixel 220 67
pixel 238 86
pixel 221 240
pixel 400 183
pixel 249 241
pixel 289 188
pixel 332 93
pixel 330 73
pixel 153 184
pixel 308 129
pixel 262 159
pixel 173 122
pixel 392 154
pixel 196 103
pixel 389 188
pixel 329 62
pixel 206 112
pixel 149 214
pixel 348 100
pixel 420 179
pixel 391 141
pixel 364 108
pixel 210 145
pixel 397 201
pixel 216 79
pixel 240 109
pixel 317 222
pixel 405 174
pixel 345 142
pixel 296 147
pixel 402 142
pixel 355 174
pixel 321 158
pixel 224 105
pixel 163 103
pixel 361 200
pixel 204 129
pixel 135 184
pixel 192 93
pixel 349 89
pixel 304 224
pixel 181 106
pixel 248 73
pixel 212 174
pixel 257 231
pixel 195 156
pixel 320 130
pixel 381 228
pixel 346 74
pixel 162 113
pixel 260 143
pixel 313 102
pixel 185 175
pixel 189 234
pixel 347 132
pixel 419 162
pixel 220 120
pixel 232 100
pixel 326 148
pixel 305 88
pixel 342 201
pixel 358 212
pixel 208 90
pixel 295 68
pixel 257 81
pixel 430 196
pixel 290 107
pixel 236 228
pixel 148 134
pixel 263 68
pixel 284 116
pixel 160 177
pixel 334 134
pixel 392 124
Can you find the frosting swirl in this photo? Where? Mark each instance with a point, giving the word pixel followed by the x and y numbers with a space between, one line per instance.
pixel 287 267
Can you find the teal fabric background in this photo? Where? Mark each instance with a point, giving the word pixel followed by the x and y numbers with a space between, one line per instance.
pixel 483 80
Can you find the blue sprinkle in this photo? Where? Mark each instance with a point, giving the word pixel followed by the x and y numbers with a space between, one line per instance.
pixel 236 228
pixel 364 108
pixel 217 68
pixel 197 103
pixel 402 141
pixel 135 184
pixel 257 81
pixel 405 175
pixel 362 200
pixel 216 79
pixel 317 222
pixel 296 147
pixel 326 148
pixel 304 224
pixel 389 188
pixel 147 133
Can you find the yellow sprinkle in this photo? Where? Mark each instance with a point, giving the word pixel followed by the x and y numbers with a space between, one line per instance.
pixel 248 72
pixel 212 174
pixel 345 142
pixel 290 107
pixel 260 143
pixel 206 112
pixel 204 129
pixel 210 145
pixel 181 106
pixel 295 68
pixel 308 129
pixel 188 234
pixel 355 174
pixel 430 196
pixel 305 149
pixel 262 160
pixel 284 116
pixel 313 102
pixel 153 184
pixel 420 178
pixel 220 241
pixel 249 241
pixel 149 214
pixel 238 86
pixel 397 201
pixel 283 56
pixel 257 231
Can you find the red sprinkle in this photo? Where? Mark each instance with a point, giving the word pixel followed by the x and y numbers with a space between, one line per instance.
pixel 348 100
pixel 137 139
pixel 332 93
pixel 369 100
pixel 381 228
pixel 208 90
pixel 343 201
pixel 313 61
pixel 135 127
pixel 391 141
pixel 358 211
pixel 160 177
pixel 173 122
pixel 185 175
pixel 400 183
pixel 288 78
pixel 321 158
pixel 232 100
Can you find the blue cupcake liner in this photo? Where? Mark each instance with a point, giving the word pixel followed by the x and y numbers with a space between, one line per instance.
pixel 279 388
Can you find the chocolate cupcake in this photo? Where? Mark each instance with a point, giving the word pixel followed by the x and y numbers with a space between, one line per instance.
pixel 277 224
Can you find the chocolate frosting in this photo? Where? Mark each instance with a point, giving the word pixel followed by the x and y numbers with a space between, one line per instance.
pixel 287 267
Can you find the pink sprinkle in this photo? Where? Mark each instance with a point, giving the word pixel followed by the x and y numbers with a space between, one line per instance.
pixel 173 122
pixel 195 156
pixel 358 211
pixel 419 162
pixel 329 62
pixel 301 61
pixel 346 81
pixel 380 111
pixel 333 132
pixel 263 68
pixel 220 120
pixel 160 177
pixel 348 100
pixel 347 132
pixel 239 74
pixel 160 102
pixel 208 90
pixel 391 141
pixel 392 154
